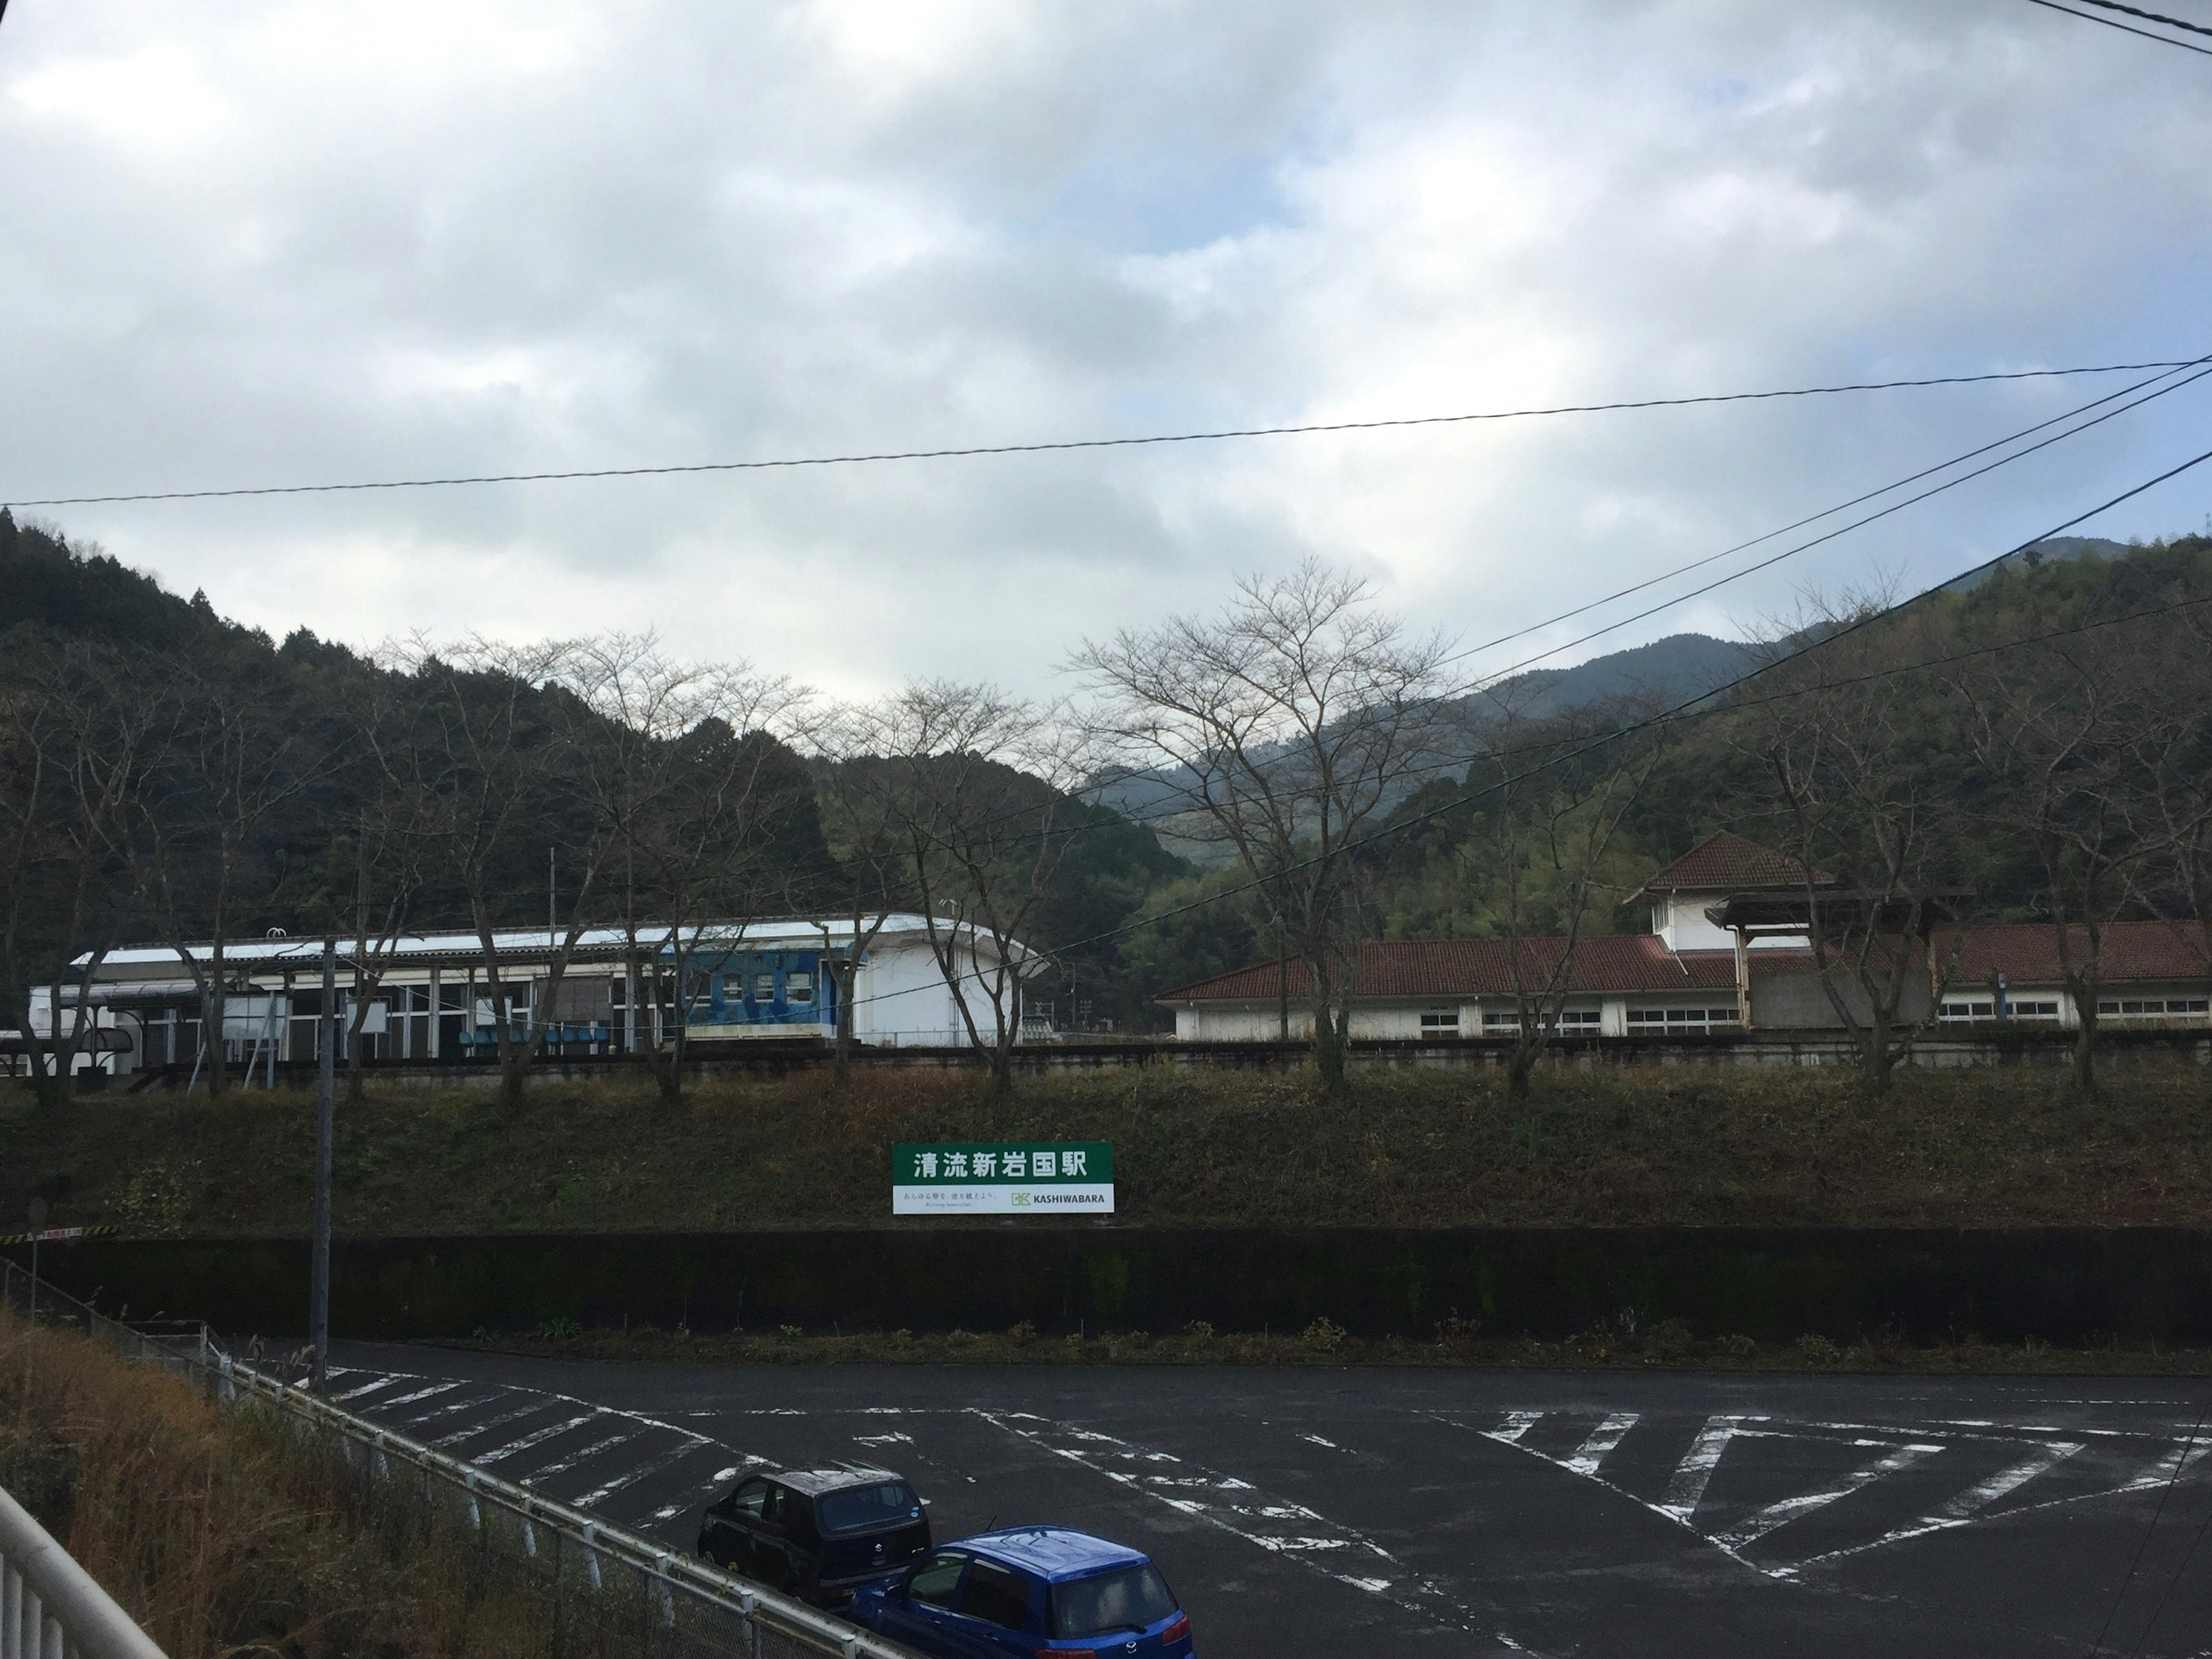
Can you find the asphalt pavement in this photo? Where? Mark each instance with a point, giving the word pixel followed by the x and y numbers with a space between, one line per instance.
pixel 1361 1511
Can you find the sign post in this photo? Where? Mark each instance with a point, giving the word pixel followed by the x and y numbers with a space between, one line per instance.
pixel 318 1291
pixel 1000 1177
pixel 37 1219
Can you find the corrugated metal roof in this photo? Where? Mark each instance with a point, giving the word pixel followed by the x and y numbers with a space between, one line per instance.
pixel 513 941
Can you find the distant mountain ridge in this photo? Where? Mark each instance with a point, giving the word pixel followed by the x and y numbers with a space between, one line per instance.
pixel 1669 671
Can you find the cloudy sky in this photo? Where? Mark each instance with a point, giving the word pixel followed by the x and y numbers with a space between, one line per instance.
pixel 256 242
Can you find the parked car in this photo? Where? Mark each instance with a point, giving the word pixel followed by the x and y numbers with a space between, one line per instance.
pixel 1042 1591
pixel 818 1533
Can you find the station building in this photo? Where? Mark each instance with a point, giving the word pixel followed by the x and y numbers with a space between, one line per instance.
pixel 747 981
pixel 1728 950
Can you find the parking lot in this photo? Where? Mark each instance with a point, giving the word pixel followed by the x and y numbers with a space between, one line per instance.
pixel 1347 1512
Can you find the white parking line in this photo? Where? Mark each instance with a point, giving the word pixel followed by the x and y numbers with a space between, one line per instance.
pixel 565 1464
pixel 1793 1509
pixel 1686 1485
pixel 472 1430
pixel 1281 1528
pixel 651 1466
pixel 1603 1439
pixel 500 1454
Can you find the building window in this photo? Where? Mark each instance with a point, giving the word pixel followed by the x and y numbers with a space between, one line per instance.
pixel 1967 1010
pixel 798 989
pixel 2152 1007
pixel 1440 1024
pixel 764 988
pixel 2033 1010
pixel 1673 1022
pixel 1579 1022
pixel 1502 1025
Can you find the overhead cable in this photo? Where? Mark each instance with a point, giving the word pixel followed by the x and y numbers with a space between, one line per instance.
pixel 971 450
pixel 1702 705
pixel 2115 23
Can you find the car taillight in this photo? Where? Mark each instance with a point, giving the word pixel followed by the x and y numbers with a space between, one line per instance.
pixel 1065 1653
pixel 1178 1630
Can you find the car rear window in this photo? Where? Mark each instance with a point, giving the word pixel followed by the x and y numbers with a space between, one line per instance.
pixel 1128 1598
pixel 850 1508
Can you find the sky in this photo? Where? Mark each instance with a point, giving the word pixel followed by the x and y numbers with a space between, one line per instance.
pixel 246 243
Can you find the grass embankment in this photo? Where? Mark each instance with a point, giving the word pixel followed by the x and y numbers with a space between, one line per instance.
pixel 1676 1146
pixel 1671 1345
pixel 220 1533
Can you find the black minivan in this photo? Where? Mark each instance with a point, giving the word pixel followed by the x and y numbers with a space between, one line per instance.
pixel 816 1533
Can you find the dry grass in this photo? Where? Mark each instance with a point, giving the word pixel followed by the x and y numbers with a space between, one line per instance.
pixel 223 1532
pixel 1674 1145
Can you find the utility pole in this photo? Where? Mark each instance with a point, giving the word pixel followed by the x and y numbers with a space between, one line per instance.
pixel 318 1295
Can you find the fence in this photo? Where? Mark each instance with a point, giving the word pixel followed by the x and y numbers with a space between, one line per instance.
pixel 611 1591
pixel 50 1608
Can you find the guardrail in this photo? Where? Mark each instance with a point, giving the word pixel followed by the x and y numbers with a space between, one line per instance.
pixel 50 1608
pixel 612 1591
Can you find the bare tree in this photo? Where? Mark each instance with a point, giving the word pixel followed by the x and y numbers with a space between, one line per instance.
pixel 1294 721
pixel 77 738
pixel 862 797
pixel 678 771
pixel 1546 828
pixel 468 757
pixel 2172 756
pixel 976 788
pixel 1868 807
pixel 238 755
pixel 2059 728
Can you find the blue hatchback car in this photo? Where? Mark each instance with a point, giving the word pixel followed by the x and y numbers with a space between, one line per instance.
pixel 1046 1592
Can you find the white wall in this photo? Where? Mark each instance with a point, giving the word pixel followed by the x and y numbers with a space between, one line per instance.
pixel 1679 919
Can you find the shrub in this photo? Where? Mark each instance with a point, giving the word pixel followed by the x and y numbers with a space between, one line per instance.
pixel 1738 1347
pixel 1324 1335
pixel 1669 1342
pixel 1199 1330
pixel 1024 1333
pixel 1816 1350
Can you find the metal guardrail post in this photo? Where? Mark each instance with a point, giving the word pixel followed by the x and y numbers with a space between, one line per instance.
pixel 662 1576
pixel 50 1608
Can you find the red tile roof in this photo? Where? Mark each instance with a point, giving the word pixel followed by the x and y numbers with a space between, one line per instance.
pixel 1479 967
pixel 1726 862
pixel 2026 952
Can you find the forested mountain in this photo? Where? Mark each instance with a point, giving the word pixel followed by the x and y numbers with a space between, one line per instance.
pixel 2038 739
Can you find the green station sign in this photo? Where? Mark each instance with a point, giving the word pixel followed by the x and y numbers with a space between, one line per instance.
pixel 1010 1177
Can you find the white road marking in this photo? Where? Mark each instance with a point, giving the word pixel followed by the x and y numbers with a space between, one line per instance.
pixel 419 1393
pixel 651 1465
pixel 1686 1485
pixel 383 1382
pixel 1228 1503
pixel 1516 1424
pixel 447 1409
pixel 500 1454
pixel 1793 1509
pixel 565 1464
pixel 1603 1439
pixel 1963 1507
pixel 1316 1440
pixel 470 1430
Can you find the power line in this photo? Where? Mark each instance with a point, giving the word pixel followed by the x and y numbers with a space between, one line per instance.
pixel 2115 23
pixel 1811 518
pixel 1157 814
pixel 1687 708
pixel 873 457
pixel 2153 16
pixel 1492 679
pixel 1895 507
